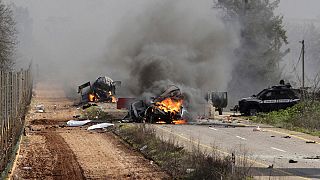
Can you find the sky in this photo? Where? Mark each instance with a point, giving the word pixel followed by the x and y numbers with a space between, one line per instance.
pixel 299 9
pixel 70 33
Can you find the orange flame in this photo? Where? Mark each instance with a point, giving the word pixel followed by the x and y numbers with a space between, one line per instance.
pixel 114 99
pixel 170 105
pixel 179 121
pixel 92 97
pixel 160 122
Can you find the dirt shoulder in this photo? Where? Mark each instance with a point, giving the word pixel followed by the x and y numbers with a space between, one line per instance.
pixel 52 151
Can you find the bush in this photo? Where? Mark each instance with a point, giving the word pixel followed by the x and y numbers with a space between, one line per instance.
pixel 95 112
pixel 304 117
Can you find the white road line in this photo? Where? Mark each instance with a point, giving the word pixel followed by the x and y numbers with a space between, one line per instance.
pixel 241 138
pixel 213 128
pixel 278 149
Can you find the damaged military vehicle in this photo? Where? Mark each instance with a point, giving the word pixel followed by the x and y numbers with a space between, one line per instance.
pixel 102 90
pixel 165 108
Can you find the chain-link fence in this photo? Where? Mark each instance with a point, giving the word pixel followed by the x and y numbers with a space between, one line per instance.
pixel 15 96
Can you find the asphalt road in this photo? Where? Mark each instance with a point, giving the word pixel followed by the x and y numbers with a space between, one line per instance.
pixel 263 148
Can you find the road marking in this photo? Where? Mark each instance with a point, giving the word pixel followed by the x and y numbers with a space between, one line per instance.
pixel 241 138
pixel 213 128
pixel 226 153
pixel 278 149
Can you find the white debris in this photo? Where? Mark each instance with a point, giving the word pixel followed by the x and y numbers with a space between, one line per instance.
pixel 257 129
pixel 100 126
pixel 189 170
pixel 39 108
pixel 75 123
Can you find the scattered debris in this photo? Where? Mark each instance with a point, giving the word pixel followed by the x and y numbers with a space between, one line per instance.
pixel 77 116
pixel 40 108
pixel 312 157
pixel 310 142
pixel 292 161
pixel 270 166
pixel 54 107
pixel 151 162
pixel 74 123
pixel 100 126
pixel 88 105
pixel 288 137
pixel 190 170
pixel 273 136
pixel 26 168
pixel 257 129
pixel 143 147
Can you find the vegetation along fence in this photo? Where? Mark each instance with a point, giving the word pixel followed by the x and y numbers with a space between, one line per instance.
pixel 15 96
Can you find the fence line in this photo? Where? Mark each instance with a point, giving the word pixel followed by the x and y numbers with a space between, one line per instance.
pixel 15 96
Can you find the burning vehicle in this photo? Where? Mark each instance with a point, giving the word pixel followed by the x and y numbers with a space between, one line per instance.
pixel 102 90
pixel 165 109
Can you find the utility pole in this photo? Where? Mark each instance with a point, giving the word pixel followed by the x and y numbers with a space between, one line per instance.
pixel 303 50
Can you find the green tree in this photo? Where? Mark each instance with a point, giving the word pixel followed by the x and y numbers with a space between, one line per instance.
pixel 262 36
pixel 7 37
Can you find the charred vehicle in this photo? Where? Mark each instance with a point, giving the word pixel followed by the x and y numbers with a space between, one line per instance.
pixel 271 99
pixel 102 90
pixel 166 108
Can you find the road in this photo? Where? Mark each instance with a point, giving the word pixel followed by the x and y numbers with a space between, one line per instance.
pixel 263 148
pixel 50 150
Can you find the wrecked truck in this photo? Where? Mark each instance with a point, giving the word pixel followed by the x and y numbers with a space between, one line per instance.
pixel 102 90
pixel 165 108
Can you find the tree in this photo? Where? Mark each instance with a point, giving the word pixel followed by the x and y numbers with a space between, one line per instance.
pixel 261 39
pixel 7 37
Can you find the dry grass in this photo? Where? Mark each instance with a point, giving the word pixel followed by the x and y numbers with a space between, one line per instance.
pixel 176 160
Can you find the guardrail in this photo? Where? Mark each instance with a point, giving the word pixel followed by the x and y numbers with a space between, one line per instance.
pixel 15 96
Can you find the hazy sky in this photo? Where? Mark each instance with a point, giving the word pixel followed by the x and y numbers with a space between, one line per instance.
pixel 300 9
pixel 73 32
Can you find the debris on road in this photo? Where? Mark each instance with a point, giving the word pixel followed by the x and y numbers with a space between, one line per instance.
pixel 88 105
pixel 100 126
pixel 293 161
pixel 257 129
pixel 40 108
pixel 77 116
pixel 74 123
pixel 272 136
pixel 143 148
pixel 312 157
pixel 287 137
pixel 310 142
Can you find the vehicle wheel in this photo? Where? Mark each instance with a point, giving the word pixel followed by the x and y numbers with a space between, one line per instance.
pixel 253 111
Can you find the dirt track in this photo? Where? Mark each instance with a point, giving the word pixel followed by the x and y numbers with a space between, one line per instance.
pixel 51 151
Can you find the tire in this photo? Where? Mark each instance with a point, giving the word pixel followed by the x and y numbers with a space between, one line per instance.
pixel 253 111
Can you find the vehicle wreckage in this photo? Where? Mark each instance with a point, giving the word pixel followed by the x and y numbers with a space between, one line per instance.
pixel 165 108
pixel 102 90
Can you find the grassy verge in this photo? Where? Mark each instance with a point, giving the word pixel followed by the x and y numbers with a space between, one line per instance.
pixel 303 117
pixel 176 160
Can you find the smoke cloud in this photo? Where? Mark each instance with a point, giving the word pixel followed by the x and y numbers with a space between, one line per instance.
pixel 181 42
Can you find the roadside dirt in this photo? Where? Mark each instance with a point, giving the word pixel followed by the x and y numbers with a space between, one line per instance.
pixel 50 150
